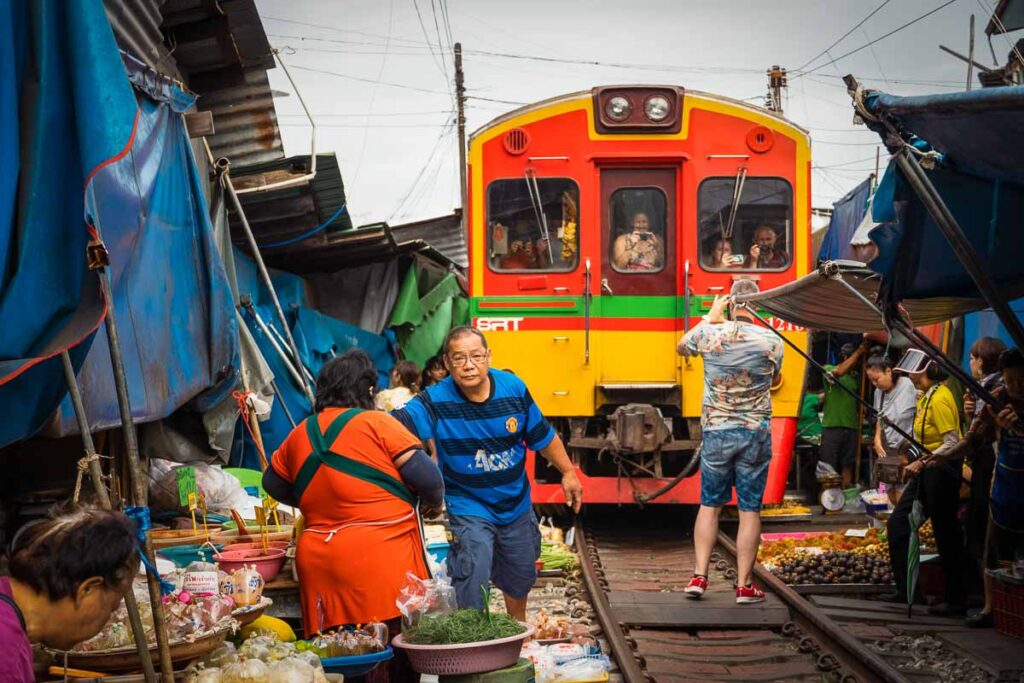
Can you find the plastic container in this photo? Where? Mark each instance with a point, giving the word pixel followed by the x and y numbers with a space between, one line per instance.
pixel 439 551
pixel 229 536
pixel 467 658
pixel 275 545
pixel 267 562
pixel 1008 604
pixel 358 665
pixel 184 555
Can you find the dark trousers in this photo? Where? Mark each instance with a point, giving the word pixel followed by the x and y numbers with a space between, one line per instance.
pixel 939 491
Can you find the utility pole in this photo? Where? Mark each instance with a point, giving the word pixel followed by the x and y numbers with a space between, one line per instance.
pixel 776 82
pixel 970 56
pixel 460 105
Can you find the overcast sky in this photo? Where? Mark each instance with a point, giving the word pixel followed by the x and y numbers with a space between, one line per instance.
pixel 377 74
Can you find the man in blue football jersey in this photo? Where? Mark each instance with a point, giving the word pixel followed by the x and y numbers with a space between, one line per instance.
pixel 481 422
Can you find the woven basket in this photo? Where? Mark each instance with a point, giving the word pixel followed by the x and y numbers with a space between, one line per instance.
pixel 467 658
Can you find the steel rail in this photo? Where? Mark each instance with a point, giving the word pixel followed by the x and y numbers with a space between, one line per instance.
pixel 623 653
pixel 852 654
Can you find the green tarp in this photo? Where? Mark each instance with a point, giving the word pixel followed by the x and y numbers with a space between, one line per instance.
pixel 429 304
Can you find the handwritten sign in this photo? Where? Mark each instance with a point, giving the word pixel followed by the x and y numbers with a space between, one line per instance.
pixel 187 486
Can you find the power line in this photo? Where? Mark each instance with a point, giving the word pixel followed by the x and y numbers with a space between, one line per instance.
pixel 373 92
pixel 298 124
pixel 846 163
pixel 423 27
pixel 378 115
pixel 883 37
pixel 841 38
pixel 370 80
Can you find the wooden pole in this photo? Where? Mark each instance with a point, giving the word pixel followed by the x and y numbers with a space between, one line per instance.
pixel 98 261
pixel 970 56
pixel 460 105
pixel 96 475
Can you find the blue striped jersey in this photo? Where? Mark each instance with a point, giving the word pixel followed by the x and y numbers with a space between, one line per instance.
pixel 481 447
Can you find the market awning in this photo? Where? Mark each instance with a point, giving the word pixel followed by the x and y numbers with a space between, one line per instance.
pixel 970 146
pixel 821 301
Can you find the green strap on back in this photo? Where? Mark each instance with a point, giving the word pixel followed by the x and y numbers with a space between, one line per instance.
pixel 323 455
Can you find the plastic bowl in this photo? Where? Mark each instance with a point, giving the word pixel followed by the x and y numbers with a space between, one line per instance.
pixel 184 555
pixel 357 665
pixel 466 658
pixel 267 562
pixel 276 545
pixel 229 536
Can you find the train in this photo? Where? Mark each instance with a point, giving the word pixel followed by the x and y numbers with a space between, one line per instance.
pixel 601 225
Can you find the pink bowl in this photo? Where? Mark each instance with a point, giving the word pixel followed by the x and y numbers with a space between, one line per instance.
pixel 464 658
pixel 272 545
pixel 267 562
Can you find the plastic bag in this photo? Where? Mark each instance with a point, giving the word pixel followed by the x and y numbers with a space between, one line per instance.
pixel 247 585
pixel 211 674
pixel 248 671
pixel 422 597
pixel 291 670
pixel 823 471
pixel 221 490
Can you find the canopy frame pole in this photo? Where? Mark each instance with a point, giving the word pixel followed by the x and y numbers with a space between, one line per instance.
pixel 963 249
pixel 96 475
pixel 98 261
pixel 818 366
pixel 927 346
pixel 262 267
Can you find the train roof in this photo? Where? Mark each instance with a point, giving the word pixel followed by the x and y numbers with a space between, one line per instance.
pixel 581 94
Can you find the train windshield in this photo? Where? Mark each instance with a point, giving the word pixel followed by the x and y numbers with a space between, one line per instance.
pixel 638 225
pixel 533 224
pixel 745 223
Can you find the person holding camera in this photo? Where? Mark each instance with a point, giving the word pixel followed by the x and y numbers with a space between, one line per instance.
pixel 640 249
pixel 763 253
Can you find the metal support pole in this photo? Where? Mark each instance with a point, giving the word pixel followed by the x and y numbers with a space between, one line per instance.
pixel 139 482
pixel 284 406
pixel 963 249
pixel 96 475
pixel 261 266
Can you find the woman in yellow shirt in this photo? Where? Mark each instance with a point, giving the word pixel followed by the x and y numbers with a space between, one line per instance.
pixel 935 481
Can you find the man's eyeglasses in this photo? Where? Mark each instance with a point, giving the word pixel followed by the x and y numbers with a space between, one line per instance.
pixel 474 358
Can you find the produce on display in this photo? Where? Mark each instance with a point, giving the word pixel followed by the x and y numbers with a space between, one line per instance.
pixel 461 626
pixel 829 558
pixel 550 627
pixel 260 659
pixel 566 662
pixel 557 556
pixel 786 507
pixel 363 640
pixel 188 617
pixel 269 626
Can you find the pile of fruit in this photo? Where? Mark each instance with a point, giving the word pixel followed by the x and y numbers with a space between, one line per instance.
pixel 829 558
pixel 927 536
pixel 786 507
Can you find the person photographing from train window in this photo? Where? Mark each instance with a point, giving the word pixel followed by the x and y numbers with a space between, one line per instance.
pixel 742 360
pixel 640 249
pixel 763 252
pixel 481 422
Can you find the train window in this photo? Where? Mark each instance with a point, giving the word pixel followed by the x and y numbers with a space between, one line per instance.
pixel 533 224
pixel 745 223
pixel 638 229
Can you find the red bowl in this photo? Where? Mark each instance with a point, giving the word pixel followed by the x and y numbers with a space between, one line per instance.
pixel 272 545
pixel 267 562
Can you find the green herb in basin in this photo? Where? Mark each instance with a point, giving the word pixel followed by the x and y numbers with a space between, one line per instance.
pixel 462 626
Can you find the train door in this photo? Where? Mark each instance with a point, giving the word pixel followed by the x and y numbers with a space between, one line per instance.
pixel 637 290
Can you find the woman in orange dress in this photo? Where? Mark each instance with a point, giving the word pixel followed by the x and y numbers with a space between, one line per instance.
pixel 355 473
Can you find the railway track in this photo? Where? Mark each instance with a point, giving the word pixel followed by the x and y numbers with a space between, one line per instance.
pixel 635 580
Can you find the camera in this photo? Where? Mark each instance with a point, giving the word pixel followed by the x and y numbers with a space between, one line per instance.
pixel 645 236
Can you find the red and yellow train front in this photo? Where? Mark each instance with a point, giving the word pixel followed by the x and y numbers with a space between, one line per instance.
pixel 601 226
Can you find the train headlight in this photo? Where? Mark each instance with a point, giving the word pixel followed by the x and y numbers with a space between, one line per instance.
pixel 657 108
pixel 618 108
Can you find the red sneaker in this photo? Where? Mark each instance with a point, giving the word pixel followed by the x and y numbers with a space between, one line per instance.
pixel 749 594
pixel 698 584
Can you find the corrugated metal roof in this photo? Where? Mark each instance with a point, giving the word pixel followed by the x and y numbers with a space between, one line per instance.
pixel 286 213
pixel 220 51
pixel 443 233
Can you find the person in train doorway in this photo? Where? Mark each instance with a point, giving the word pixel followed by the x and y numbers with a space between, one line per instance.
pixel 640 249
pixel 742 360
pixel 840 418
pixel 480 422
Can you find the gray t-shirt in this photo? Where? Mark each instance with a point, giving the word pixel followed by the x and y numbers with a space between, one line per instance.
pixel 897 406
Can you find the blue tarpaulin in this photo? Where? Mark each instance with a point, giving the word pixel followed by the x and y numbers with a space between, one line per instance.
pixel 94 150
pixel 979 173
pixel 847 214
